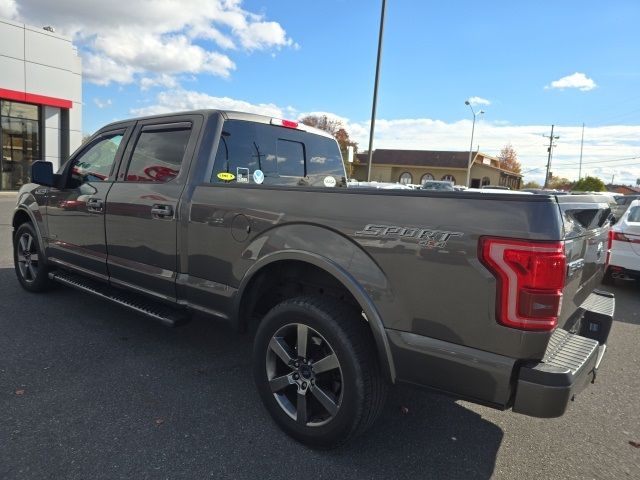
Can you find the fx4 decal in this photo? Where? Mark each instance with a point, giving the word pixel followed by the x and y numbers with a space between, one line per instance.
pixel 426 237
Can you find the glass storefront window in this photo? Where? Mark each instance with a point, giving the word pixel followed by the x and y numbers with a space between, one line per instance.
pixel 18 110
pixel 20 143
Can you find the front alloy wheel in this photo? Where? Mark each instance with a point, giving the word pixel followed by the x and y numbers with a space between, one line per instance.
pixel 28 259
pixel 27 254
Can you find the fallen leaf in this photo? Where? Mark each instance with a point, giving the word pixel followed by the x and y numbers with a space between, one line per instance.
pixel 159 421
pixel 20 392
pixel 404 410
pixel 634 444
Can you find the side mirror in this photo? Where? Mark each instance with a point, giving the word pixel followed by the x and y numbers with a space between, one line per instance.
pixel 42 173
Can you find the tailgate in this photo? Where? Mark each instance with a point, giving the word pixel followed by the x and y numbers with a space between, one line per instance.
pixel 586 226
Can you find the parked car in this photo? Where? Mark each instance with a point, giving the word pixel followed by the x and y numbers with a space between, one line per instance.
pixel 442 185
pixel 379 185
pixel 544 191
pixel 624 246
pixel 498 191
pixel 622 204
pixel 494 187
pixel 248 219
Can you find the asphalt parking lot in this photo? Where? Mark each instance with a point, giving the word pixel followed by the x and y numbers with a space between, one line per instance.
pixel 90 391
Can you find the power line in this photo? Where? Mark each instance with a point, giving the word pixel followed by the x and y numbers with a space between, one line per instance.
pixel 611 160
pixel 617 165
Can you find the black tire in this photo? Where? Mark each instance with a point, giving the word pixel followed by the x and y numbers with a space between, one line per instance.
pixel 608 278
pixel 355 387
pixel 28 259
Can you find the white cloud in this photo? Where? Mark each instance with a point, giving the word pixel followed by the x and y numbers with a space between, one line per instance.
pixel 124 40
pixel 102 70
pixel 163 54
pixel 102 103
pixel 162 80
pixel 261 35
pixel 8 8
pixel 180 100
pixel 478 101
pixel 576 80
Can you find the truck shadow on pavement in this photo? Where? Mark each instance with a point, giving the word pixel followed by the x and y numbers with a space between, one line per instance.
pixel 627 292
pixel 90 390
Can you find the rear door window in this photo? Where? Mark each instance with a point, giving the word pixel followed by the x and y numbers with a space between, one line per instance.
pixel 257 153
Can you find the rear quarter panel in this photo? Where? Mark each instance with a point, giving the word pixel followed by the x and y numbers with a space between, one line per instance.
pixel 442 291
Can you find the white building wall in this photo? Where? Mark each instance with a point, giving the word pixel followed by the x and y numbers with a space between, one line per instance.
pixel 39 62
pixel 52 135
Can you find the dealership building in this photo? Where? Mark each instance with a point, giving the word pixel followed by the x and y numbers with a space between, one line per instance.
pixel 40 100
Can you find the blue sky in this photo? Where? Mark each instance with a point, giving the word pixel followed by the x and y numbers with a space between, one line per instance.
pixel 291 57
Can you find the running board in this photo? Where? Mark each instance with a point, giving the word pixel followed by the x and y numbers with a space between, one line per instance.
pixel 158 311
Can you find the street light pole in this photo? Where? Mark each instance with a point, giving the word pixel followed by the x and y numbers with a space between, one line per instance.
pixel 473 128
pixel 375 90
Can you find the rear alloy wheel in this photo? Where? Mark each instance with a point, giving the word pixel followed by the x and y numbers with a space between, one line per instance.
pixel 317 372
pixel 304 374
pixel 28 260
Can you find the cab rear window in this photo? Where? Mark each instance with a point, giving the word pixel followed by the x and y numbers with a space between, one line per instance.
pixel 257 153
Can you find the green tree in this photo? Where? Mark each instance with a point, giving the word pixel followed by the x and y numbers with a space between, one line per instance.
pixel 589 184
pixel 508 158
pixel 532 184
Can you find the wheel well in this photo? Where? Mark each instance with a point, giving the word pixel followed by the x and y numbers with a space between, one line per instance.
pixel 19 218
pixel 285 279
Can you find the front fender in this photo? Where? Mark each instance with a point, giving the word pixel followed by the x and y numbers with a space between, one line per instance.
pixel 337 255
pixel 31 201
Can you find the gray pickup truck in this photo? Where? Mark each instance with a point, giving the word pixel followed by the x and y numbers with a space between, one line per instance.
pixel 248 219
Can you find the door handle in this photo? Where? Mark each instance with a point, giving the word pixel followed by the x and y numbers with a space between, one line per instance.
pixel 162 211
pixel 95 205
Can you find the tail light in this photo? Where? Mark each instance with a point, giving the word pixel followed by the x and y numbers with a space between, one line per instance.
pixel 609 245
pixel 530 276
pixel 284 123
pixel 621 237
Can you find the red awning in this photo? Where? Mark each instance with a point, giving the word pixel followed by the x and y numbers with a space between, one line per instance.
pixel 35 98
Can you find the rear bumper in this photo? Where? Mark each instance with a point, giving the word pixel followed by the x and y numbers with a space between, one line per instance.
pixel 571 362
pixel 623 272
pixel 625 258
pixel 540 389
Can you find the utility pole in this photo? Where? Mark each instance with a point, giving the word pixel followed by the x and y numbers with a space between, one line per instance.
pixel 375 89
pixel 550 149
pixel 612 177
pixel 581 145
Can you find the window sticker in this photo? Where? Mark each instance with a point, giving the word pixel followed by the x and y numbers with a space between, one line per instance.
pixel 329 181
pixel 258 176
pixel 242 175
pixel 226 176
